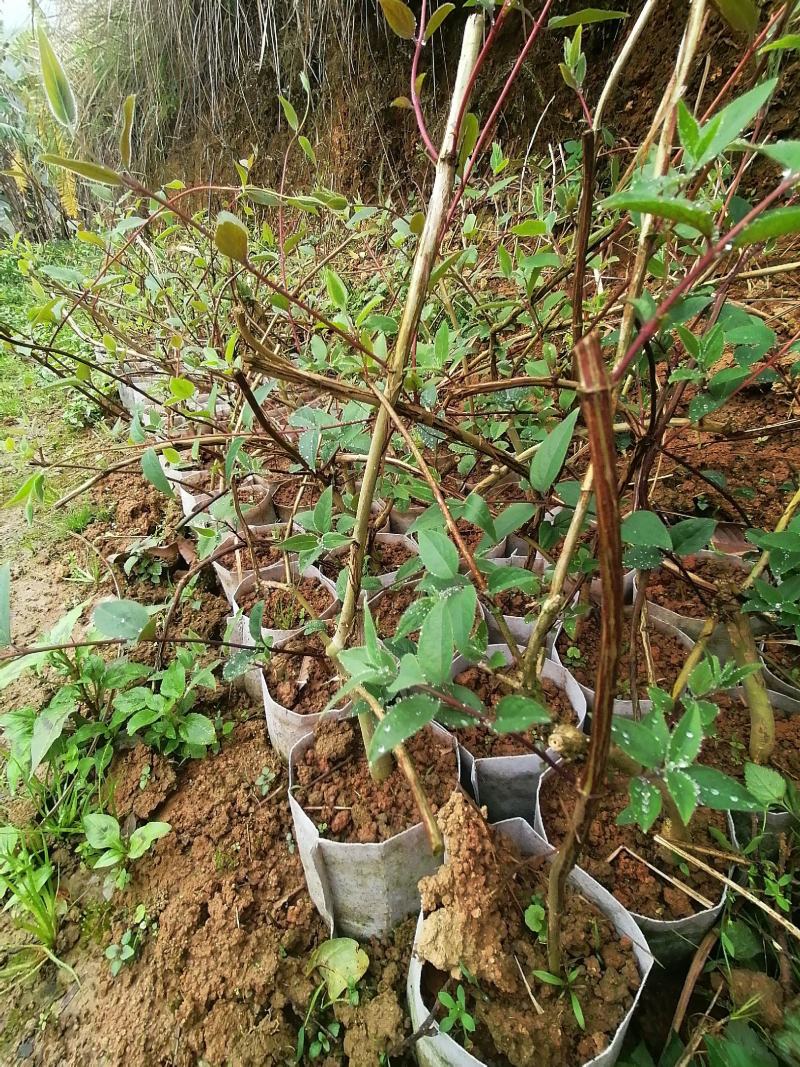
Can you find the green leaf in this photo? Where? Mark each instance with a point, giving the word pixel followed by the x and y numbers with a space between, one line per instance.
pixel 290 113
pixel 476 510
pixel 646 529
pixel 721 793
pixel 436 643
pixel 49 725
pixel 723 129
pixel 767 786
pixel 463 604
pixel 409 674
pixel 308 151
pixel 123 619
pixel 674 208
pixel 437 18
pixel 501 578
pixel 511 518
pixel 686 739
pixel 92 172
pixel 741 15
pixel 341 962
pixel 56 83
pixel 787 153
pixel 400 17
pixel 323 511
pixel 438 553
pixel 154 472
pixel 683 791
pixel 529 228
pixel 691 535
pixel 779 222
pixel 442 344
pixel 740 940
pixel 230 237
pixel 644 805
pixel 552 452
pixel 126 136
pixel 197 729
pixel 102 831
pixel 469 137
pixel 5 604
pixel 401 721
pixel 515 714
pixel 181 388
pixel 788 41
pixel 337 290
pixel 143 837
pixel 584 17
pixel 637 741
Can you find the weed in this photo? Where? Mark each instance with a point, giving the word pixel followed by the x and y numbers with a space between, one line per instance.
pixel 127 949
pixel 457 1014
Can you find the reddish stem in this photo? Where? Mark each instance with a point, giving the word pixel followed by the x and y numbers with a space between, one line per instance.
pixel 415 100
pixel 490 122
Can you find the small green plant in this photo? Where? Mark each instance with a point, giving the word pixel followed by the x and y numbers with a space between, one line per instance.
pixel 126 950
pixel 28 890
pixel 566 984
pixel 536 919
pixel 457 1014
pixel 104 835
pixel 161 714
pixel 265 780
pixel 341 963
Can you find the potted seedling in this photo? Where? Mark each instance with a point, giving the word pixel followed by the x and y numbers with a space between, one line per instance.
pixel 480 974
pixel 657 776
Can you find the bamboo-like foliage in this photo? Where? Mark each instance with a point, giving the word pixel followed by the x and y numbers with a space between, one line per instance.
pixel 191 64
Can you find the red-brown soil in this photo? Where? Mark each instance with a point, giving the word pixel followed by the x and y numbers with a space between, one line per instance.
pixel 349 803
pixel 474 908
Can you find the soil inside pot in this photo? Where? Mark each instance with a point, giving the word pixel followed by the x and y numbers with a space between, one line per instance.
pixel 782 656
pixel 249 494
pixel 303 684
pixel 728 751
pixel 389 607
pixel 635 885
pixel 474 907
pixel 383 559
pixel 286 494
pixel 282 609
pixel 481 742
pixel 349 805
pixel 676 593
pixel 669 656
pixel 472 534
pixel 266 555
pixel 513 602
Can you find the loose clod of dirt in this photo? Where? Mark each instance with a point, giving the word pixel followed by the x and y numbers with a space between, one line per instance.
pixel 473 908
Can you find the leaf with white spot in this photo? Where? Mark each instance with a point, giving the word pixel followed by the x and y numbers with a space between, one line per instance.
pixel 686 739
pixel 721 793
pixel 644 805
pixel 402 721
pixel 684 793
pixel 636 741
